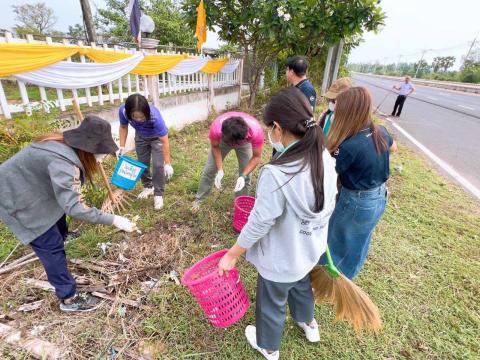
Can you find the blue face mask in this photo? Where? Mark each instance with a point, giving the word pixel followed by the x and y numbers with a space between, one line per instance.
pixel 278 146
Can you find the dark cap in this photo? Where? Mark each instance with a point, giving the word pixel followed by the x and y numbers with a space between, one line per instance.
pixel 94 135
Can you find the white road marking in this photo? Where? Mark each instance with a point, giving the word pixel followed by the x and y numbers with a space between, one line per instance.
pixel 466 107
pixel 432 98
pixel 464 182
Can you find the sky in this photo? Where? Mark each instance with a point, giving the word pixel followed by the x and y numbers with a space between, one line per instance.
pixel 448 27
pixel 445 26
pixel 68 12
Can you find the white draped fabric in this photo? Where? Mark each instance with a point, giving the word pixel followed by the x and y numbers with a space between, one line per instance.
pixel 70 75
pixel 188 66
pixel 230 67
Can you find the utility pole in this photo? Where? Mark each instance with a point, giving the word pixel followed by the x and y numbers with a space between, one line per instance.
pixel 88 21
pixel 398 62
pixel 469 50
pixel 332 65
pixel 419 63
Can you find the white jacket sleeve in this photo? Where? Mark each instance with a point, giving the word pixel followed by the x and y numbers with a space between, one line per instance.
pixel 66 185
pixel 269 205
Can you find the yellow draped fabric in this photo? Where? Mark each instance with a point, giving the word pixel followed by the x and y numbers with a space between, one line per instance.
pixel 150 65
pixel 20 58
pixel 201 30
pixel 214 66
pixel 103 56
pixel 157 64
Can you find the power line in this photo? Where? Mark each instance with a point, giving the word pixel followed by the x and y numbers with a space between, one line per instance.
pixel 419 52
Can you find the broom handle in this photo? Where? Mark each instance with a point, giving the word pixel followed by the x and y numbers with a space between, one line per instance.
pixel 77 110
pixel 107 184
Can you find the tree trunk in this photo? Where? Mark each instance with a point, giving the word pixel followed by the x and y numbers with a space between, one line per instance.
pixel 88 21
pixel 254 87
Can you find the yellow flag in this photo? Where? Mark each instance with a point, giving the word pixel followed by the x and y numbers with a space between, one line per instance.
pixel 201 30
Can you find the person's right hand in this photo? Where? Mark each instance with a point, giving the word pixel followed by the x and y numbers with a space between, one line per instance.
pixel 120 151
pixel 218 179
pixel 122 223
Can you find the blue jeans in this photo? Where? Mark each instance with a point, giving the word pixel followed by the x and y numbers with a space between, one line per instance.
pixel 50 250
pixel 351 227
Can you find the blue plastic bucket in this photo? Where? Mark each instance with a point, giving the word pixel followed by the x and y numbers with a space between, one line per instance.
pixel 127 172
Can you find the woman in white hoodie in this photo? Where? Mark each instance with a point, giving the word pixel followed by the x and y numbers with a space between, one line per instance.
pixel 287 230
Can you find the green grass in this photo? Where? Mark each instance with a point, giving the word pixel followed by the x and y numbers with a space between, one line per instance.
pixel 423 272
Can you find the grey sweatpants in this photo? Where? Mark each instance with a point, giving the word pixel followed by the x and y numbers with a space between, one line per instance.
pixel 151 148
pixel 244 154
pixel 270 311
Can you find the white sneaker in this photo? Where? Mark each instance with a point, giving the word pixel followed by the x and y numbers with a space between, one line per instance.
pixel 145 193
pixel 251 335
pixel 158 202
pixel 311 330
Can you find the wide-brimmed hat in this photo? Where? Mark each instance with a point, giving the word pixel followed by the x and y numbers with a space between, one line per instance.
pixel 94 135
pixel 338 86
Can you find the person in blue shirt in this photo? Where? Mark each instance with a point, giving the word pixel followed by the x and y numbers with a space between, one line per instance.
pixel 151 144
pixel 296 73
pixel 362 152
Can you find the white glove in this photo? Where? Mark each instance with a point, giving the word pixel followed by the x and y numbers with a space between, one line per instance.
pixel 218 179
pixel 240 184
pixel 122 223
pixel 120 151
pixel 168 169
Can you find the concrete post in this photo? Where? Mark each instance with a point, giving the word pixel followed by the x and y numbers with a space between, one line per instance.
pixel 338 58
pixel 152 83
pixel 332 65
pixel 211 94
pixel 326 71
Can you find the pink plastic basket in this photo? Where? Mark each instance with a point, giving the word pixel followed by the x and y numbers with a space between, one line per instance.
pixel 243 205
pixel 222 298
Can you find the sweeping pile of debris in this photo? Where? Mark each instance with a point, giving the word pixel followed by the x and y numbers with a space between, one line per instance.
pixel 123 276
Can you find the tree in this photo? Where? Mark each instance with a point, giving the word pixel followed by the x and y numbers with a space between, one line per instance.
pixel 77 31
pixel 170 25
pixel 269 29
pixel 443 63
pixel 34 18
pixel 421 68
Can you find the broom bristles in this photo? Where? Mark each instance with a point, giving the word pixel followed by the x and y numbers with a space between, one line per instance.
pixel 350 302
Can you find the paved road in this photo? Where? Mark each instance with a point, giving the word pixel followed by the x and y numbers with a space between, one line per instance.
pixel 446 122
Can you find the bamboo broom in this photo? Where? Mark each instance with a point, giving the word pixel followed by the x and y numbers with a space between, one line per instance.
pixel 350 302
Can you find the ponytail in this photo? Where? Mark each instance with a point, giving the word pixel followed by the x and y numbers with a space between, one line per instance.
pixel 290 108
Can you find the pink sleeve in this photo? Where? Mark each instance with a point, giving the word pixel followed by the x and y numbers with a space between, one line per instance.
pixel 215 132
pixel 258 137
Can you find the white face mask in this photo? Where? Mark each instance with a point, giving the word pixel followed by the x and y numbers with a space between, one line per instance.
pixel 276 145
pixel 331 106
pixel 100 157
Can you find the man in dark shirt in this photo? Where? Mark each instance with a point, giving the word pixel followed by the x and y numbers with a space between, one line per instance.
pixel 296 73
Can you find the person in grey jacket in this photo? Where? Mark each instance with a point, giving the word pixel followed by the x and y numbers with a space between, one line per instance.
pixel 41 184
pixel 286 232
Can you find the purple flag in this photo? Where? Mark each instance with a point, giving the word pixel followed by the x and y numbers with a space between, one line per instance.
pixel 134 13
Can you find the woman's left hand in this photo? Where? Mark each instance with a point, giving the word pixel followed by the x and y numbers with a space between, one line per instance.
pixel 168 169
pixel 227 263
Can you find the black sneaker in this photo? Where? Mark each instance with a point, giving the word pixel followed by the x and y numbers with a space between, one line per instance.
pixel 81 303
